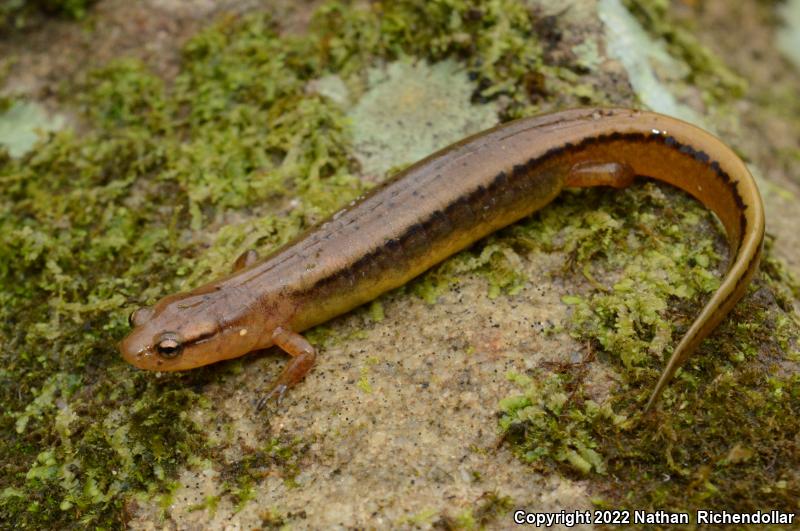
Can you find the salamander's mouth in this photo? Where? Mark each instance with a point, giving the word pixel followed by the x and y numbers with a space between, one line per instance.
pixel 137 352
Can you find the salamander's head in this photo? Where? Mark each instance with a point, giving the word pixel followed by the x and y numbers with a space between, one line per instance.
pixel 185 331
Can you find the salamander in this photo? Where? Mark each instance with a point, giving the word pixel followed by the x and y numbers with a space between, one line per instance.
pixel 437 207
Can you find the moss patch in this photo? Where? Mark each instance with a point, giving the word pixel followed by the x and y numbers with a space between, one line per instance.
pixel 706 71
pixel 170 183
pixel 18 14
pixel 725 433
pixel 491 507
pixel 240 477
pixel 164 188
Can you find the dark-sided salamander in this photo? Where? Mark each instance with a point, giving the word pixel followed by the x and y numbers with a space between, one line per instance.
pixel 437 207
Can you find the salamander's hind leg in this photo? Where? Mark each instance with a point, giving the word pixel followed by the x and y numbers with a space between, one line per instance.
pixel 303 356
pixel 594 173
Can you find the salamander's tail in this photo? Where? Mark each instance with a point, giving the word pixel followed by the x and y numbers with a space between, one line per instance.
pixel 685 156
pixel 732 289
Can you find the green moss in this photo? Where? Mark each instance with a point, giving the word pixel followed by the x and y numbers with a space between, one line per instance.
pixel 209 504
pixel 497 40
pixel 496 259
pixel 546 425
pixel 724 432
pixel 272 519
pixel 92 227
pixel 138 206
pixel 707 71
pixel 278 456
pixel 80 478
pixel 363 381
pixel 488 509
pixel 375 311
pixel 19 13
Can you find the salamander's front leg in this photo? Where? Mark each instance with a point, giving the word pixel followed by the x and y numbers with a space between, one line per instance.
pixel 303 356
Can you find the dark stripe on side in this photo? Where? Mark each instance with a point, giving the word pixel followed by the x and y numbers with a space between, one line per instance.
pixel 440 223
pixel 667 140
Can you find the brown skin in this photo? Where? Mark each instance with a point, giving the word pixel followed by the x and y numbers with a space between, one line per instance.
pixel 437 207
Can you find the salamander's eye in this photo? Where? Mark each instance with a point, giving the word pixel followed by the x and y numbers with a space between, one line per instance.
pixel 169 346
